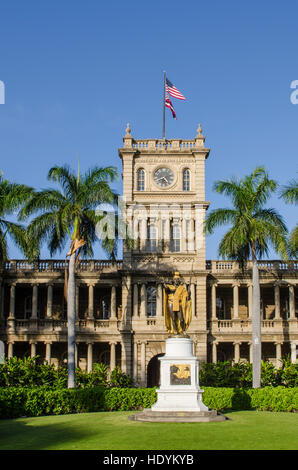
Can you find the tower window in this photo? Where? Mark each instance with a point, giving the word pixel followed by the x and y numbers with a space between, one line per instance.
pixel 152 238
pixel 186 180
pixel 141 180
pixel 151 301
pixel 175 238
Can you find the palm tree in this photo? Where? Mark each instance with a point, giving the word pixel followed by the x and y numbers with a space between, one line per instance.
pixel 70 215
pixel 12 197
pixel 290 194
pixel 253 228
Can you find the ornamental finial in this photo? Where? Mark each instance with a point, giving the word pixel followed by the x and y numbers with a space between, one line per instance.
pixel 199 131
pixel 128 130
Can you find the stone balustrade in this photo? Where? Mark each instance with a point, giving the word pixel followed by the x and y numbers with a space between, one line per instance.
pixel 59 265
pixel 220 266
pixel 160 144
pixel 214 266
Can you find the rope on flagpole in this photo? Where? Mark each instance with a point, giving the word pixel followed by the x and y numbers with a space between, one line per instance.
pixel 164 106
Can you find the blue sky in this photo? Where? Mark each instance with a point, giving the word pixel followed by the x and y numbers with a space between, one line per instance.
pixel 76 73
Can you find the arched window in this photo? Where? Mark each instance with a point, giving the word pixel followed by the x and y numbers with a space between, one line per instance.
pixel 176 235
pixel 152 238
pixel 141 180
pixel 151 301
pixel 186 180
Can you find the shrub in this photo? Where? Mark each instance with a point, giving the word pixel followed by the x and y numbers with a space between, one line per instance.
pixel 28 372
pixel 18 401
pixel 223 374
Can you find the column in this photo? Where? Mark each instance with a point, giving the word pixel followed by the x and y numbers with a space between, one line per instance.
pixel 143 362
pixel 214 351
pixel 143 234
pixel 250 352
pixel 1 300
pixel 12 301
pixel 293 352
pixel 126 302
pixel 278 355
pixel 48 351
pixel 113 354
pixel 166 234
pixel 183 235
pixel 34 301
pixel 191 234
pixel 77 303
pixel 76 354
pixel 277 301
pixel 292 302
pixel 236 300
pixel 249 300
pixel 213 300
pixel 193 298
pixel 135 361
pixel 159 301
pixel 50 301
pixel 33 348
pixel 135 311
pixel 89 357
pixel 236 351
pixel 143 300
pixel 90 301
pixel 10 349
pixel 11 315
pixel 113 303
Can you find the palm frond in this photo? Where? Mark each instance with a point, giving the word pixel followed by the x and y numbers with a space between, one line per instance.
pixel 290 192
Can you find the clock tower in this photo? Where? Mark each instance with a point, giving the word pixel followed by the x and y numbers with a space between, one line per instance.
pixel 165 208
pixel 164 195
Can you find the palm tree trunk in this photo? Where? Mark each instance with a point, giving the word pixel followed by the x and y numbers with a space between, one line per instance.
pixel 71 317
pixel 256 325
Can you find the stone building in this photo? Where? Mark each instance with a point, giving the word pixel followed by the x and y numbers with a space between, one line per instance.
pixel 119 305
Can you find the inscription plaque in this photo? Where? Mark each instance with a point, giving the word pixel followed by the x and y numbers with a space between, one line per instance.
pixel 180 374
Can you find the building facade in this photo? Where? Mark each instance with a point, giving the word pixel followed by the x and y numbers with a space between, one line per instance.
pixel 119 306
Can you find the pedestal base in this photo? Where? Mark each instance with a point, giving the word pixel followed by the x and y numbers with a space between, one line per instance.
pixel 178 416
pixel 179 397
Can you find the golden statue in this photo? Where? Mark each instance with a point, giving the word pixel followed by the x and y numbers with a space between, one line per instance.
pixel 177 306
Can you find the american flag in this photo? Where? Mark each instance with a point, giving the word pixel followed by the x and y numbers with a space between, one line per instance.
pixel 168 104
pixel 172 90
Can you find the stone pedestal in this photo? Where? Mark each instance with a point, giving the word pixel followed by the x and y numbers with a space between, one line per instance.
pixel 179 395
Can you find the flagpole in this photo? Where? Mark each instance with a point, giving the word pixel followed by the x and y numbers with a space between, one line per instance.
pixel 164 107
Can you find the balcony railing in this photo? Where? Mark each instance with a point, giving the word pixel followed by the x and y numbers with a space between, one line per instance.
pixel 59 265
pixel 215 266
pixel 220 266
pixel 245 325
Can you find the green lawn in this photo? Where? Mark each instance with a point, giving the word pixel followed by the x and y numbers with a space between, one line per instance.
pixel 246 430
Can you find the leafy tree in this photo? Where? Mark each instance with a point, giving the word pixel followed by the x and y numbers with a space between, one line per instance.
pixel 12 197
pixel 69 215
pixel 253 229
pixel 290 194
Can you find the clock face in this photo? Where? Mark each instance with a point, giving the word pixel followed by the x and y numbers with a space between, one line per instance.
pixel 163 177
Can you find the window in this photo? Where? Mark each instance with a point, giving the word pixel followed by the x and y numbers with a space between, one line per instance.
pixel 152 238
pixel 28 306
pixel 151 301
pixel 105 307
pixel 175 238
pixel 141 180
pixel 220 308
pixel 186 180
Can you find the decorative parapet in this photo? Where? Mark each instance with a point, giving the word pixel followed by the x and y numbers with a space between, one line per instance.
pixel 220 266
pixel 164 144
pixel 94 265
pixel 59 265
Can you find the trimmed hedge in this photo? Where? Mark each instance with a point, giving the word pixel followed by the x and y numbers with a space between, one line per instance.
pixel 16 401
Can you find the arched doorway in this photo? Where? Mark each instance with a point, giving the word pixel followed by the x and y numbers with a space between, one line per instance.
pixel 153 371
